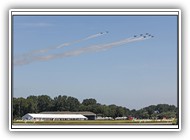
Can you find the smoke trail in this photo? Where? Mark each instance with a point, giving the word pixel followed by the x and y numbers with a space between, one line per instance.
pixel 68 43
pixel 29 57
pixel 76 52
pixel 94 48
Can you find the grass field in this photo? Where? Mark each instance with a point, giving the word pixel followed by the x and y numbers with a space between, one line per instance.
pixel 95 122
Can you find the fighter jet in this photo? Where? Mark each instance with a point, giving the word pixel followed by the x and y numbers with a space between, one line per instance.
pixel 135 35
pixel 106 32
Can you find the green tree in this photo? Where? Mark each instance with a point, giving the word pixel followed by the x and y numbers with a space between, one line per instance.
pixel 16 108
pixel 72 104
pixel 82 107
pixel 162 107
pixel 44 103
pixel 113 111
pixel 60 103
pixel 142 114
pixel 150 110
pixel 120 111
pixel 36 104
pixel 20 107
pixel 90 101
pixel 32 102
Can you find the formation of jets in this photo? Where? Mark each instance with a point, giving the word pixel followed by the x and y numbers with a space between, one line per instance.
pixel 141 35
pixel 144 35
pixel 106 32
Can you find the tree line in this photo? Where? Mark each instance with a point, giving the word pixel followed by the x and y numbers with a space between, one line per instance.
pixel 41 103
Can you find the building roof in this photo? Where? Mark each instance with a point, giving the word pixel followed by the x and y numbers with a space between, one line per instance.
pixel 63 116
pixel 68 112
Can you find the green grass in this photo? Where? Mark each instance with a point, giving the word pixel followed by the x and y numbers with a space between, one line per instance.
pixel 94 122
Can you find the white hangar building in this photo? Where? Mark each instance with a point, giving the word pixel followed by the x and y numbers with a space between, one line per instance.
pixel 42 117
pixel 88 114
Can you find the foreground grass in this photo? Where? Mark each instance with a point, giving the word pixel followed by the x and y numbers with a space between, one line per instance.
pixel 95 122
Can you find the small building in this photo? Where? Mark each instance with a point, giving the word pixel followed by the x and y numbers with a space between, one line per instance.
pixel 53 117
pixel 88 114
pixel 104 118
pixel 121 118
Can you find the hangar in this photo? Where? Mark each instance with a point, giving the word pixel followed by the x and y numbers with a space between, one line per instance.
pixel 42 117
pixel 88 114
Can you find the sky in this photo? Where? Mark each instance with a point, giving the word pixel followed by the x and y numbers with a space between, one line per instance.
pixel 97 57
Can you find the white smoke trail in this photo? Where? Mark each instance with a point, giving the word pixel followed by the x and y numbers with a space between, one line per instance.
pixel 29 57
pixel 94 48
pixel 68 43
pixel 76 52
pixel 81 40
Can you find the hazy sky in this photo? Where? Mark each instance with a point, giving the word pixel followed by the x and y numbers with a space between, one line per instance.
pixel 58 58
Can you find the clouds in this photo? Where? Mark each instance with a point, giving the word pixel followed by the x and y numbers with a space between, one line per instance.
pixel 36 25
